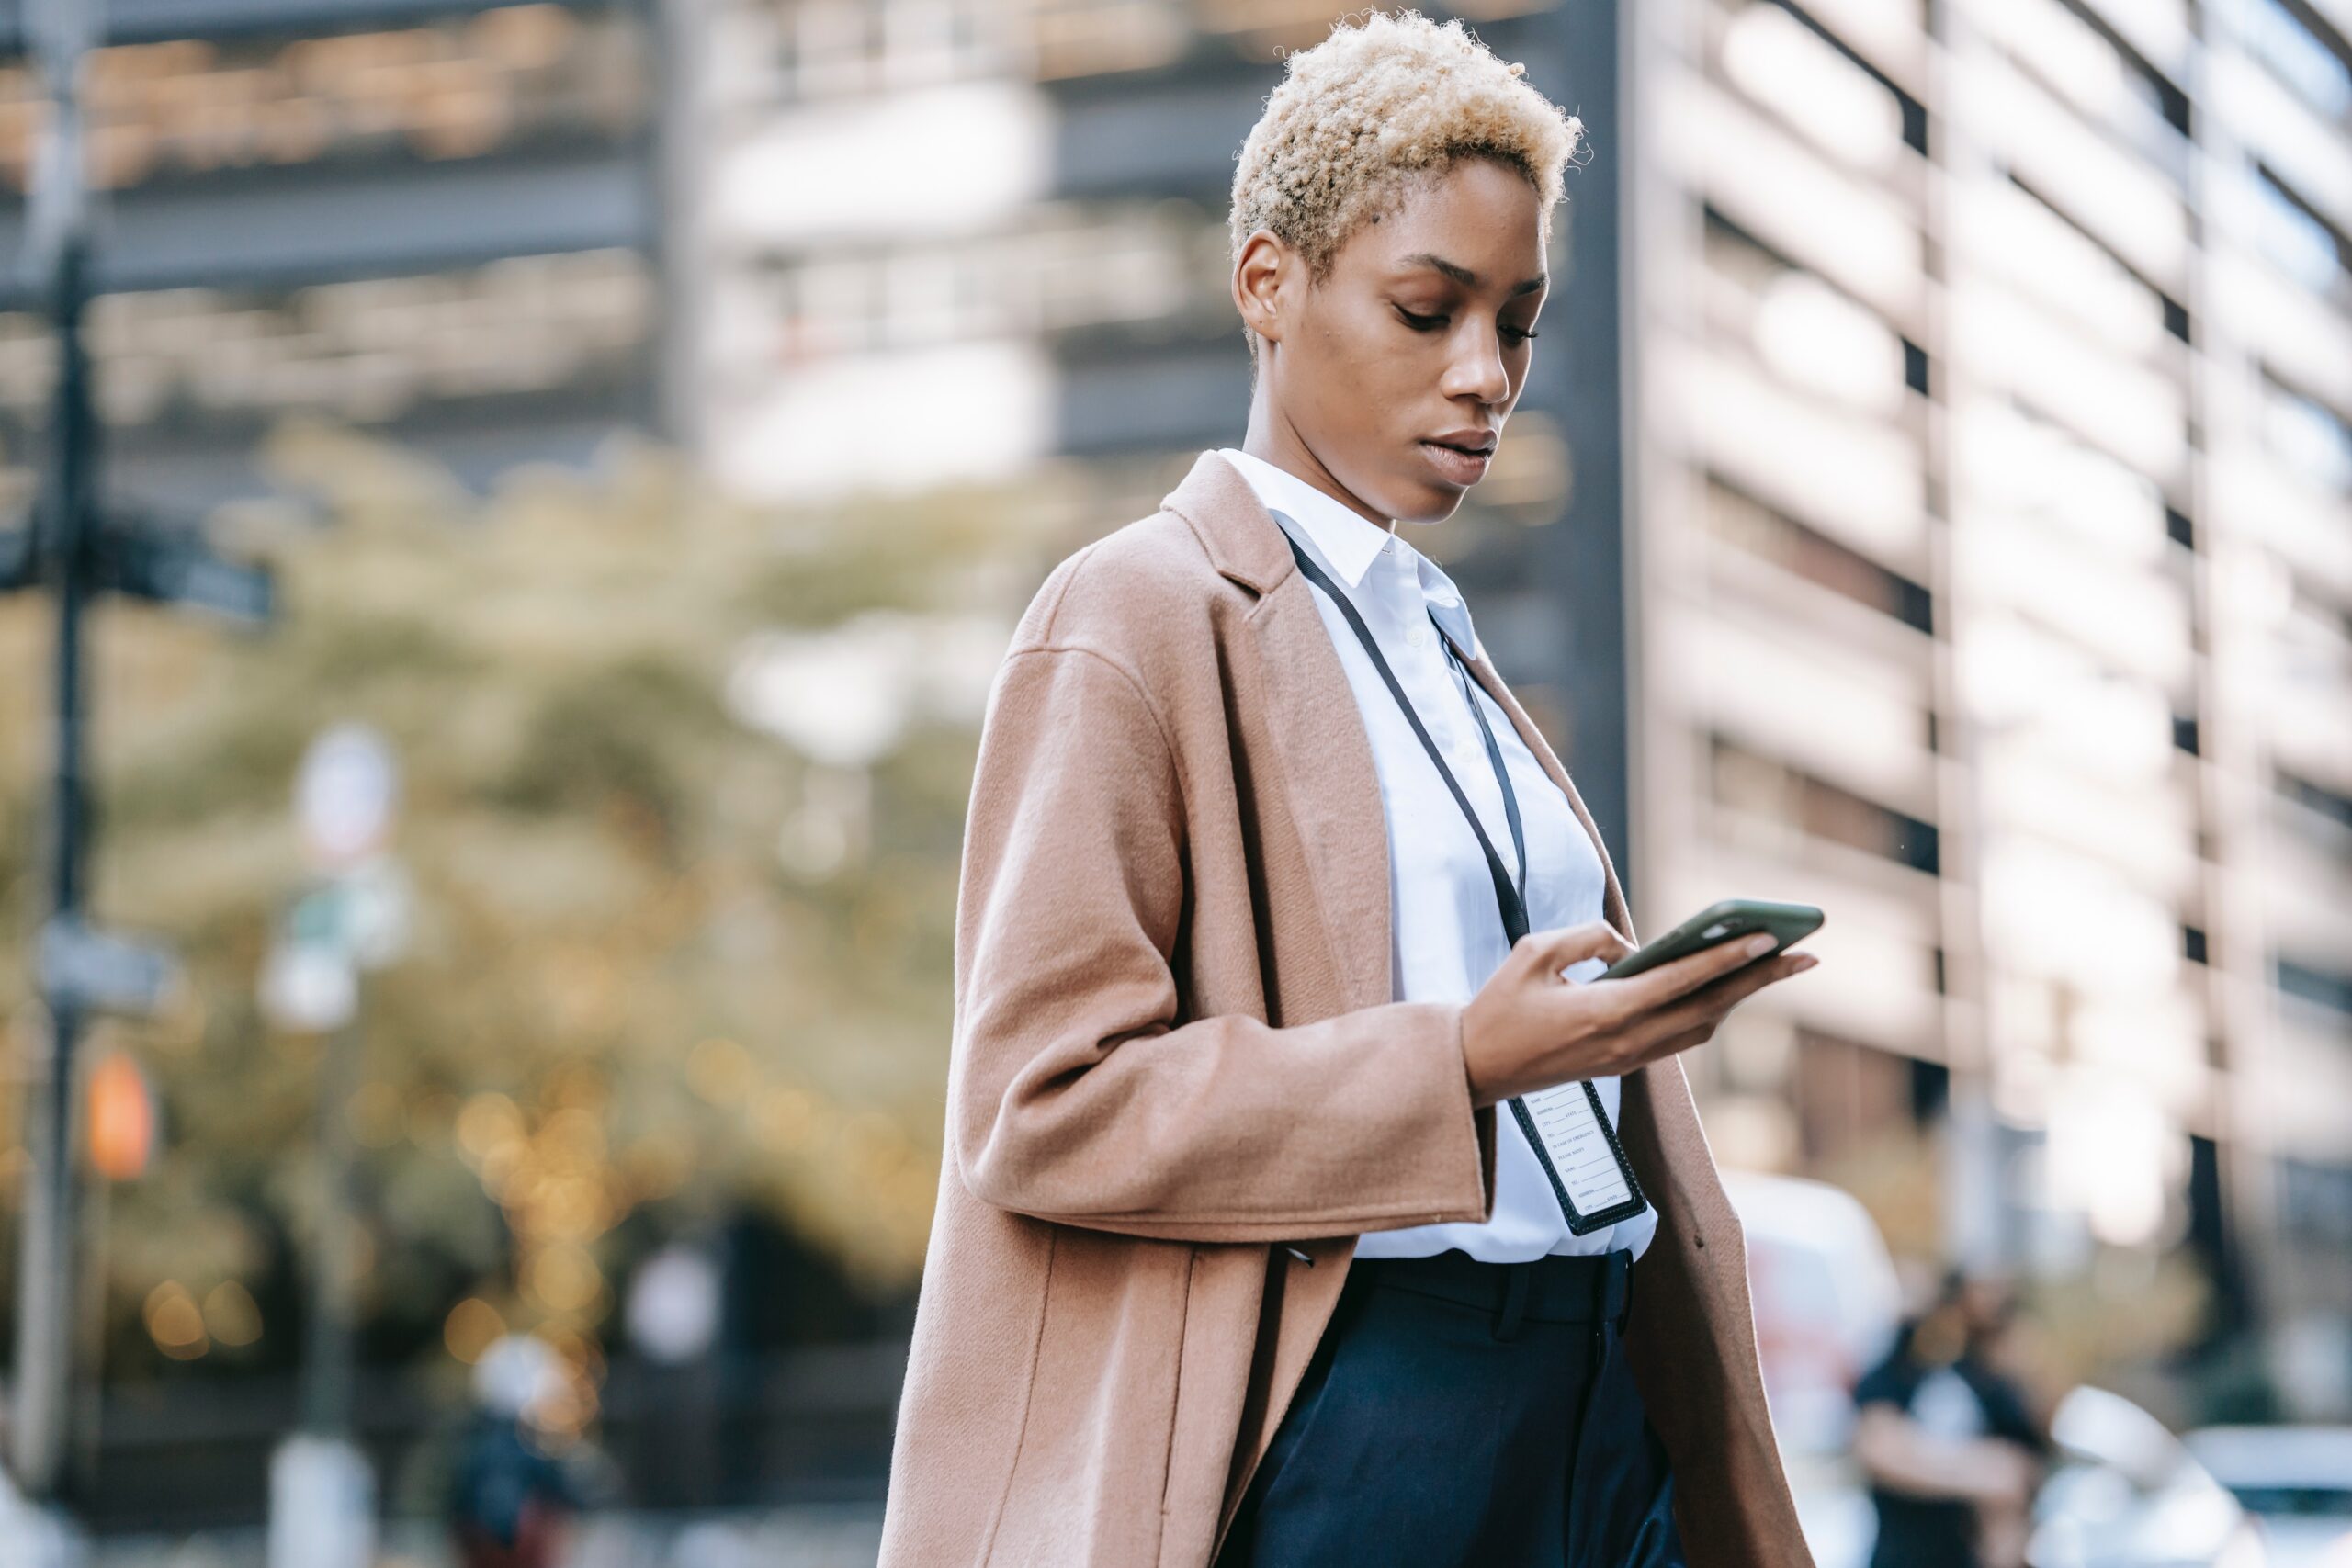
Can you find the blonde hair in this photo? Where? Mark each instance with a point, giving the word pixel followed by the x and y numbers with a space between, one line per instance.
pixel 1363 116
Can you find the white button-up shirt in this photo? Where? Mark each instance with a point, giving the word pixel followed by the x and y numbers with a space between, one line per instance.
pixel 1447 935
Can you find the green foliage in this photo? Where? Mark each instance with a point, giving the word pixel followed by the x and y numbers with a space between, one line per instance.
pixel 622 990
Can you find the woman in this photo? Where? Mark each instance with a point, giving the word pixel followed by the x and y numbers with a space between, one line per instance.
pixel 1268 885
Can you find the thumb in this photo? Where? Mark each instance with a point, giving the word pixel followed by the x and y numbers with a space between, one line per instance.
pixel 1553 950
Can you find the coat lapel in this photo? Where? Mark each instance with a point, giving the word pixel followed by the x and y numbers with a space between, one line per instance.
pixel 1322 748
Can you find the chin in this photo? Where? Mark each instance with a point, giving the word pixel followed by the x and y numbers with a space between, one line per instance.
pixel 1433 503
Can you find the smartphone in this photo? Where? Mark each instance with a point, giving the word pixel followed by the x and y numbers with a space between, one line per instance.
pixel 1723 920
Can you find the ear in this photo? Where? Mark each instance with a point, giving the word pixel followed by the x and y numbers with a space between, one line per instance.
pixel 1262 283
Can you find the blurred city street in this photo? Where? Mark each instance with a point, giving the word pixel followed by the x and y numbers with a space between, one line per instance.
pixel 510 516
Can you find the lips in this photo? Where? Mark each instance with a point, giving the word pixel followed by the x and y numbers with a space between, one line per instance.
pixel 1453 464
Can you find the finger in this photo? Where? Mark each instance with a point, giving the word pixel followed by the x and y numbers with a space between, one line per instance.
pixel 1555 948
pixel 1656 988
pixel 1719 995
pixel 1693 1017
pixel 1706 1006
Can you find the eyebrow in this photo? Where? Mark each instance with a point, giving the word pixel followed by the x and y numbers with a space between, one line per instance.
pixel 1464 275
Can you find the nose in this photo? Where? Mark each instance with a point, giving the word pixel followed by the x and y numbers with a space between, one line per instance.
pixel 1478 366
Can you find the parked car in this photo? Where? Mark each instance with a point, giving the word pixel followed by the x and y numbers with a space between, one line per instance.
pixel 2295 1480
pixel 33 1537
pixel 2130 1494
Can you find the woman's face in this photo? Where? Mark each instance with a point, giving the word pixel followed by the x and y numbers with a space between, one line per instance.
pixel 1419 335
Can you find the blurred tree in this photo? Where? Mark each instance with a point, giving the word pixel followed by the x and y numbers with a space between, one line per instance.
pixel 683 787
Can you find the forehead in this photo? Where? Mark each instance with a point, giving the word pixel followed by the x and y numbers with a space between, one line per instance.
pixel 1480 215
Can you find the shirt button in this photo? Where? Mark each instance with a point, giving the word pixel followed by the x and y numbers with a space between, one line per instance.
pixel 1416 637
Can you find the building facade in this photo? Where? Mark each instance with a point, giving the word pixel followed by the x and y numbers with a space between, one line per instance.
pixel 436 219
pixel 1933 504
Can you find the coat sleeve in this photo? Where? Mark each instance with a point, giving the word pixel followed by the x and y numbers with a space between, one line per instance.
pixel 1693 1345
pixel 1074 1092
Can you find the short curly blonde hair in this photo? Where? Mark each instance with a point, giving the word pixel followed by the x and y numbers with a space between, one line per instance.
pixel 1361 117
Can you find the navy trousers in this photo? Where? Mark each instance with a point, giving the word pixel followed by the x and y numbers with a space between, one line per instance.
pixel 1465 1415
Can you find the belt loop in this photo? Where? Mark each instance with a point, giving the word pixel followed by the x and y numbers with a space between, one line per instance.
pixel 1514 1303
pixel 1619 1298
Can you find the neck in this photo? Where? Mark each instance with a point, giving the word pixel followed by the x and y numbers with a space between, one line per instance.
pixel 1274 439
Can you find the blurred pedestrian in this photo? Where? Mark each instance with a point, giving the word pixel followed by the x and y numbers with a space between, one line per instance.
pixel 1952 1452
pixel 510 1499
pixel 1238 1256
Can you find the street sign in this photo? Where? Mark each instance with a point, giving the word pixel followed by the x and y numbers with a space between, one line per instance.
pixel 377 901
pixel 308 982
pixel 181 570
pixel 309 988
pixel 110 974
pixel 345 793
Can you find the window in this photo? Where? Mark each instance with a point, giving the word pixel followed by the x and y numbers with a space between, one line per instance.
pixel 1794 69
pixel 2073 52
pixel 2297 238
pixel 2306 434
pixel 1734 516
pixel 2299 48
pixel 1761 786
pixel 2315 1203
pixel 2329 803
pixel 2327 988
pixel 508 79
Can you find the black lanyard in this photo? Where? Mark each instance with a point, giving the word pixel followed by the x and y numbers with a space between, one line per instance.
pixel 1510 899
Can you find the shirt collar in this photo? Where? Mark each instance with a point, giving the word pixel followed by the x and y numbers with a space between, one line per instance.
pixel 1350 542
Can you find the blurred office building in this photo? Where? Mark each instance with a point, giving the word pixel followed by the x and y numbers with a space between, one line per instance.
pixel 1932 500
pixel 1982 374
pixel 436 219
pixel 1994 362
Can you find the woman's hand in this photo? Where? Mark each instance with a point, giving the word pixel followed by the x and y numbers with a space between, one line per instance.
pixel 1529 1029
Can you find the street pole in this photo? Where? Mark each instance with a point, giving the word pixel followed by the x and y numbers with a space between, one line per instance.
pixel 73 548
pixel 62 514
pixel 321 1486
pixel 327 1360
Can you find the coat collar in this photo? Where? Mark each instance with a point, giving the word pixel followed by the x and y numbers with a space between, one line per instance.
pixel 1350 543
pixel 1325 750
pixel 1347 546
pixel 1242 539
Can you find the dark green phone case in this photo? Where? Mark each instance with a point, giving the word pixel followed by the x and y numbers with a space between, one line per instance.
pixel 1723 920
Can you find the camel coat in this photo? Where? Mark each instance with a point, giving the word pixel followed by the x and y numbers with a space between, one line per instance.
pixel 1178 1089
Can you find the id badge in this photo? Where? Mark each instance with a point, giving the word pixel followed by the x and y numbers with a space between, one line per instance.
pixel 1579 1152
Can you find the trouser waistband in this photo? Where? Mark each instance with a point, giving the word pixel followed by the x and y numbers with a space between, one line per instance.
pixel 1553 1289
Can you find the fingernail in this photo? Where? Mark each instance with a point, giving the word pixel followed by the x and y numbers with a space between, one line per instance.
pixel 1804 961
pixel 1762 943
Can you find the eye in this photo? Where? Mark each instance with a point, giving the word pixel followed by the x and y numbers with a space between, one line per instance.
pixel 1431 324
